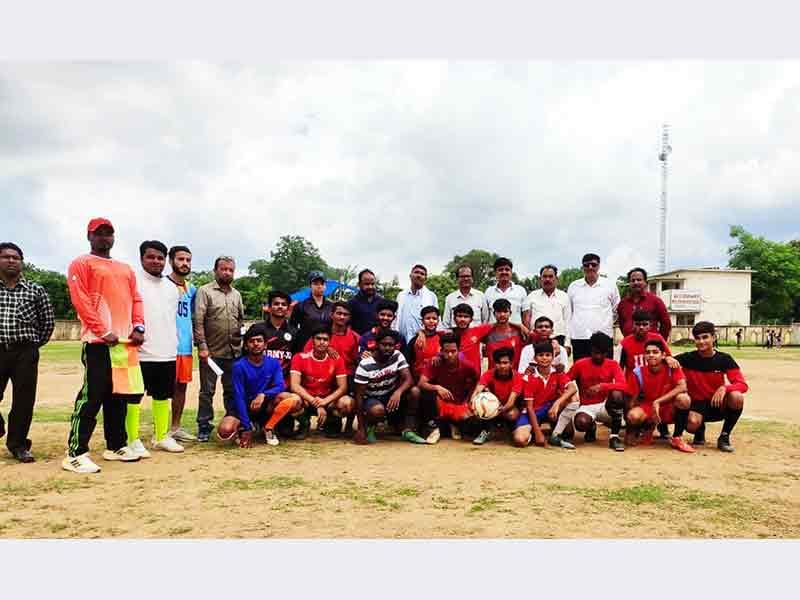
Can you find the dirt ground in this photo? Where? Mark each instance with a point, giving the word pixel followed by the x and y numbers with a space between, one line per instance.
pixel 324 488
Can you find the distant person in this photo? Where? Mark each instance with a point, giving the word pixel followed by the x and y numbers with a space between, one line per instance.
pixel 157 355
pixel 638 297
pixel 314 310
pixel 713 399
pixel 465 294
pixel 550 302
pixel 504 288
pixel 104 294
pixel 363 306
pixel 180 261
pixel 739 333
pixel 218 321
pixel 26 324
pixel 778 339
pixel 594 301
pixel 411 301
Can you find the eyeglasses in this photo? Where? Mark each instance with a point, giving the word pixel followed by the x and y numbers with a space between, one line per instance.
pixel 592 265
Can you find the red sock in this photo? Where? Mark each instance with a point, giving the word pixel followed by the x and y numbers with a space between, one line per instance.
pixel 283 408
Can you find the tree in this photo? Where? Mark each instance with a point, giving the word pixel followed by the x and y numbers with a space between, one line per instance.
pixel 254 291
pixel 776 280
pixel 482 263
pixel 198 278
pixel 567 276
pixel 55 284
pixel 389 290
pixel 441 285
pixel 290 263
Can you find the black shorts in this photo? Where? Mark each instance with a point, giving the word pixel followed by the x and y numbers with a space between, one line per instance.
pixel 710 413
pixel 159 379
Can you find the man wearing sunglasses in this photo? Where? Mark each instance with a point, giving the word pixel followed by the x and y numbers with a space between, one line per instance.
pixel 594 302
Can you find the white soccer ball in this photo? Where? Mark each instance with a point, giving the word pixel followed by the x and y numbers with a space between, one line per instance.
pixel 485 406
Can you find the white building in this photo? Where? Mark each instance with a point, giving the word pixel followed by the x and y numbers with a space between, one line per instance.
pixel 714 294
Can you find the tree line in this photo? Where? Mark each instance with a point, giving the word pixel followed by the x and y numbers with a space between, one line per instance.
pixel 775 283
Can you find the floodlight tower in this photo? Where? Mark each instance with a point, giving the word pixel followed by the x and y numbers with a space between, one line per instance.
pixel 666 150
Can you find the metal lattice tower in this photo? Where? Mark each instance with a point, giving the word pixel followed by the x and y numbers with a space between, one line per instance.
pixel 666 149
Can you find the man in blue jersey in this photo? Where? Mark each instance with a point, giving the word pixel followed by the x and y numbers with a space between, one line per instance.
pixel 259 399
pixel 180 260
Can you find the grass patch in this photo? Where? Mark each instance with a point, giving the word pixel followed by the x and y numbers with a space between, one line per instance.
pixel 277 482
pixel 786 431
pixel 756 353
pixel 639 494
pixel 483 504
pixel 60 352
pixel 58 486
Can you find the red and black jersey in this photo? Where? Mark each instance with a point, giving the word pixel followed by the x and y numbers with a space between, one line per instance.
pixel 632 353
pixel 705 374
pixel 281 344
pixel 586 374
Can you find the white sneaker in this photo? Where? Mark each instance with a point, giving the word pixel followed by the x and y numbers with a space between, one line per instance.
pixel 138 449
pixel 168 444
pixel 80 464
pixel 455 432
pixel 272 439
pixel 124 454
pixel 181 435
pixel 434 436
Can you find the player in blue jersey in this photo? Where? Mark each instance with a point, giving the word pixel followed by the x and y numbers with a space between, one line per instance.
pixel 180 259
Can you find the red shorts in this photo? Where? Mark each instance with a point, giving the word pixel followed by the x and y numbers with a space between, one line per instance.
pixel 183 369
pixel 448 411
pixel 664 411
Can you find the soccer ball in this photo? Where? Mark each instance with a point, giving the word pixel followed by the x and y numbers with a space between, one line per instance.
pixel 486 405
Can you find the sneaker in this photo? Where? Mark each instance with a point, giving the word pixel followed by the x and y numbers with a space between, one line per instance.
pixel 371 439
pixel 663 432
pixel 304 428
pixel 616 444
pixel 333 427
pixel 181 435
pixel 680 444
pixel 124 454
pixel 455 432
pixel 203 435
pixel 272 439
pixel 483 437
pixel 412 437
pixel 724 443
pixel 138 449
pixel 591 435
pixel 168 444
pixel 80 464
pixel 433 436
pixel 557 442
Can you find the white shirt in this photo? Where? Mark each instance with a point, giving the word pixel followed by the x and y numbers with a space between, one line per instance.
pixel 556 307
pixel 160 300
pixel 528 356
pixel 408 320
pixel 474 298
pixel 594 308
pixel 515 294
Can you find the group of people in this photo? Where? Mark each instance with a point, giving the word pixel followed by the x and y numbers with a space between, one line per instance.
pixel 348 366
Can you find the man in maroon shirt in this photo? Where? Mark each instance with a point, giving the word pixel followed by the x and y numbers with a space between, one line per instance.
pixel 712 399
pixel 638 298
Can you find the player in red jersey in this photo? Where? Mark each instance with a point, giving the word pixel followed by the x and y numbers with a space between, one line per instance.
pixel 343 344
pixel 419 354
pixel 547 399
pixel 505 383
pixel 451 380
pixel 320 380
pixel 504 334
pixel 712 399
pixel 601 385
pixel 657 390
pixel 632 353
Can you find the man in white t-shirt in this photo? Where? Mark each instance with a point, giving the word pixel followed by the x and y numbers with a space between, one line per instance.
pixel 505 288
pixel 550 302
pixel 594 302
pixel 157 355
pixel 465 294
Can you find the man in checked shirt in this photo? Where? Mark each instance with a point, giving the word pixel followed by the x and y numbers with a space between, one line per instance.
pixel 26 323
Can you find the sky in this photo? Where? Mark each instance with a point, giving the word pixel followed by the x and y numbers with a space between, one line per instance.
pixel 385 164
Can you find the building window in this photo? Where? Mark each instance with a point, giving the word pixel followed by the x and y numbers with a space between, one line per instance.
pixel 684 320
pixel 671 285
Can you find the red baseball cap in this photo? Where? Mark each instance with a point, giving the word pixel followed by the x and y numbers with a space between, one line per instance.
pixel 97 222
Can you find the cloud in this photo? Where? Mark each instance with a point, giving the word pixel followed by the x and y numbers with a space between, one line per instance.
pixel 386 164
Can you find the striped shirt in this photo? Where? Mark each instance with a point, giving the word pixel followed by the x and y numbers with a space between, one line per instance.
pixel 381 380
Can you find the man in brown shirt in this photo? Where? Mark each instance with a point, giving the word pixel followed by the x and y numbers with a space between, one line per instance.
pixel 217 323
